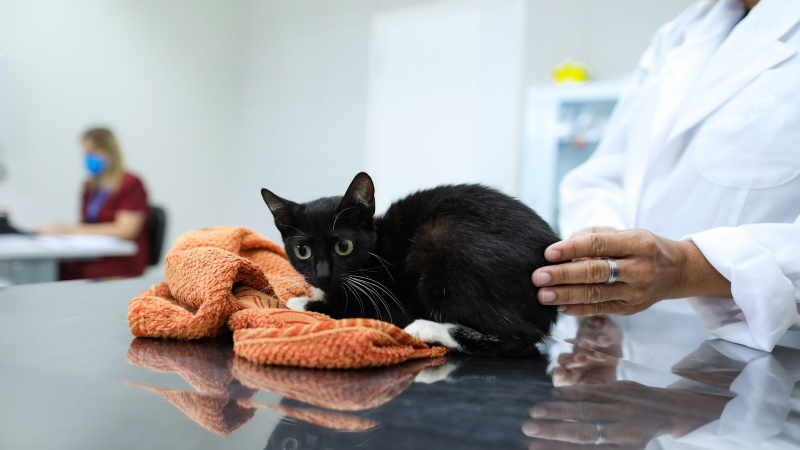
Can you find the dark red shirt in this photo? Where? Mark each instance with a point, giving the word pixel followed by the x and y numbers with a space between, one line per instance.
pixel 131 196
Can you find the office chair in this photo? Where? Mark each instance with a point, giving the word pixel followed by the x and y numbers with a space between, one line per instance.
pixel 156 227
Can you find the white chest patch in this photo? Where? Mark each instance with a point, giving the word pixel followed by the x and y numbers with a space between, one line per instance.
pixel 317 295
pixel 433 333
pixel 297 303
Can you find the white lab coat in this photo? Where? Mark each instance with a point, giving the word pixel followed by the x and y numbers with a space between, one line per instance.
pixel 705 145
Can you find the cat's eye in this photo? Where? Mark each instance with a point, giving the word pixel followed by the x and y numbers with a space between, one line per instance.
pixel 289 443
pixel 344 247
pixel 302 252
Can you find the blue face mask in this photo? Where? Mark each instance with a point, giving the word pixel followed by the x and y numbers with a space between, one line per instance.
pixel 95 163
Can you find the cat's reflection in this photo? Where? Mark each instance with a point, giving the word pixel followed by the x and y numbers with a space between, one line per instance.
pixel 465 403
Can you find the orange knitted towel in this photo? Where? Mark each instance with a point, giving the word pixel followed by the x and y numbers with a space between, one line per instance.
pixel 218 278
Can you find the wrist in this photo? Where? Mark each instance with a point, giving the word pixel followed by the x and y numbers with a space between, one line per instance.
pixel 705 409
pixel 699 278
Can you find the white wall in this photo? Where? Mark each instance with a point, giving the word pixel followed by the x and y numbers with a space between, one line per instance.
pixel 444 92
pixel 608 35
pixel 301 129
pixel 301 126
pixel 214 99
pixel 160 73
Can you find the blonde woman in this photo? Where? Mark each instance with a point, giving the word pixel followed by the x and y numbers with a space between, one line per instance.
pixel 114 204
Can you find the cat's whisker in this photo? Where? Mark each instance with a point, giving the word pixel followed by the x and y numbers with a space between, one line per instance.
pixel 371 286
pixel 387 291
pixel 359 287
pixel 298 230
pixel 373 291
pixel 376 269
pixel 383 263
pixel 285 288
pixel 280 283
pixel 344 291
pixel 286 279
pixel 346 283
pixel 333 228
pixel 378 289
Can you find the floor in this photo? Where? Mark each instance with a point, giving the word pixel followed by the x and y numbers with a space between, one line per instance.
pixel 72 377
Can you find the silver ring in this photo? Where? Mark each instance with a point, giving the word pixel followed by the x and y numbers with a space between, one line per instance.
pixel 612 264
pixel 601 433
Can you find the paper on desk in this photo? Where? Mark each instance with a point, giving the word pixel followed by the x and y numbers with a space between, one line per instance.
pixel 78 241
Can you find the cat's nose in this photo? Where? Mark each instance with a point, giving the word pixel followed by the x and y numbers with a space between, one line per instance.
pixel 323 271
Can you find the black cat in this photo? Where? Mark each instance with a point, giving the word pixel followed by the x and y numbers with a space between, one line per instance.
pixel 451 264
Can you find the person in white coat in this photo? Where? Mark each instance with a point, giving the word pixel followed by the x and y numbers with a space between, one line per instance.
pixel 695 190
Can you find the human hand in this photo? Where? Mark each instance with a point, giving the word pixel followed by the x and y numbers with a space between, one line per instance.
pixel 630 415
pixel 54 229
pixel 591 230
pixel 651 268
pixel 583 366
pixel 594 356
pixel 599 333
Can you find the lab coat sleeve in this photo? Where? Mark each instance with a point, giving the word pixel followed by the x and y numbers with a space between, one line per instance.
pixel 761 262
pixel 592 194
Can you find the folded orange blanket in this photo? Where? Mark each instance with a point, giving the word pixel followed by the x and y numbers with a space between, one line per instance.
pixel 232 278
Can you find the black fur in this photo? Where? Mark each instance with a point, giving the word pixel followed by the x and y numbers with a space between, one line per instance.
pixel 459 254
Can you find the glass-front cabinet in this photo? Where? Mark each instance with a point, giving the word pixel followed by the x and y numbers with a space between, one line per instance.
pixel 563 125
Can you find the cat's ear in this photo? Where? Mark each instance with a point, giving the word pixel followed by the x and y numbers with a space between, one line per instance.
pixel 281 209
pixel 361 193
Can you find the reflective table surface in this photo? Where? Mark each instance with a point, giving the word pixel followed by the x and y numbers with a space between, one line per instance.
pixel 73 377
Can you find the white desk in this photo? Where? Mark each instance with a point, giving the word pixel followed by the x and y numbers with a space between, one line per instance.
pixel 34 259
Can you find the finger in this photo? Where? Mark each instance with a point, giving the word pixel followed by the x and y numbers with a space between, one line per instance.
pixel 584 353
pixel 620 307
pixel 583 293
pixel 596 356
pixel 565 377
pixel 544 444
pixel 620 243
pixel 580 411
pixel 599 340
pixel 584 360
pixel 581 272
pixel 591 230
pixel 572 432
pixel 564 359
pixel 585 393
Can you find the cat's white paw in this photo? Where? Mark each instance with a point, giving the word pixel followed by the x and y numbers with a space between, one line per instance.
pixel 317 294
pixel 433 374
pixel 433 333
pixel 297 303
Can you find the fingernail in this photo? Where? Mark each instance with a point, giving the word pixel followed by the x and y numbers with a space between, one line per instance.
pixel 552 254
pixel 548 296
pixel 531 429
pixel 561 308
pixel 603 340
pixel 538 412
pixel 556 393
pixel 543 278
